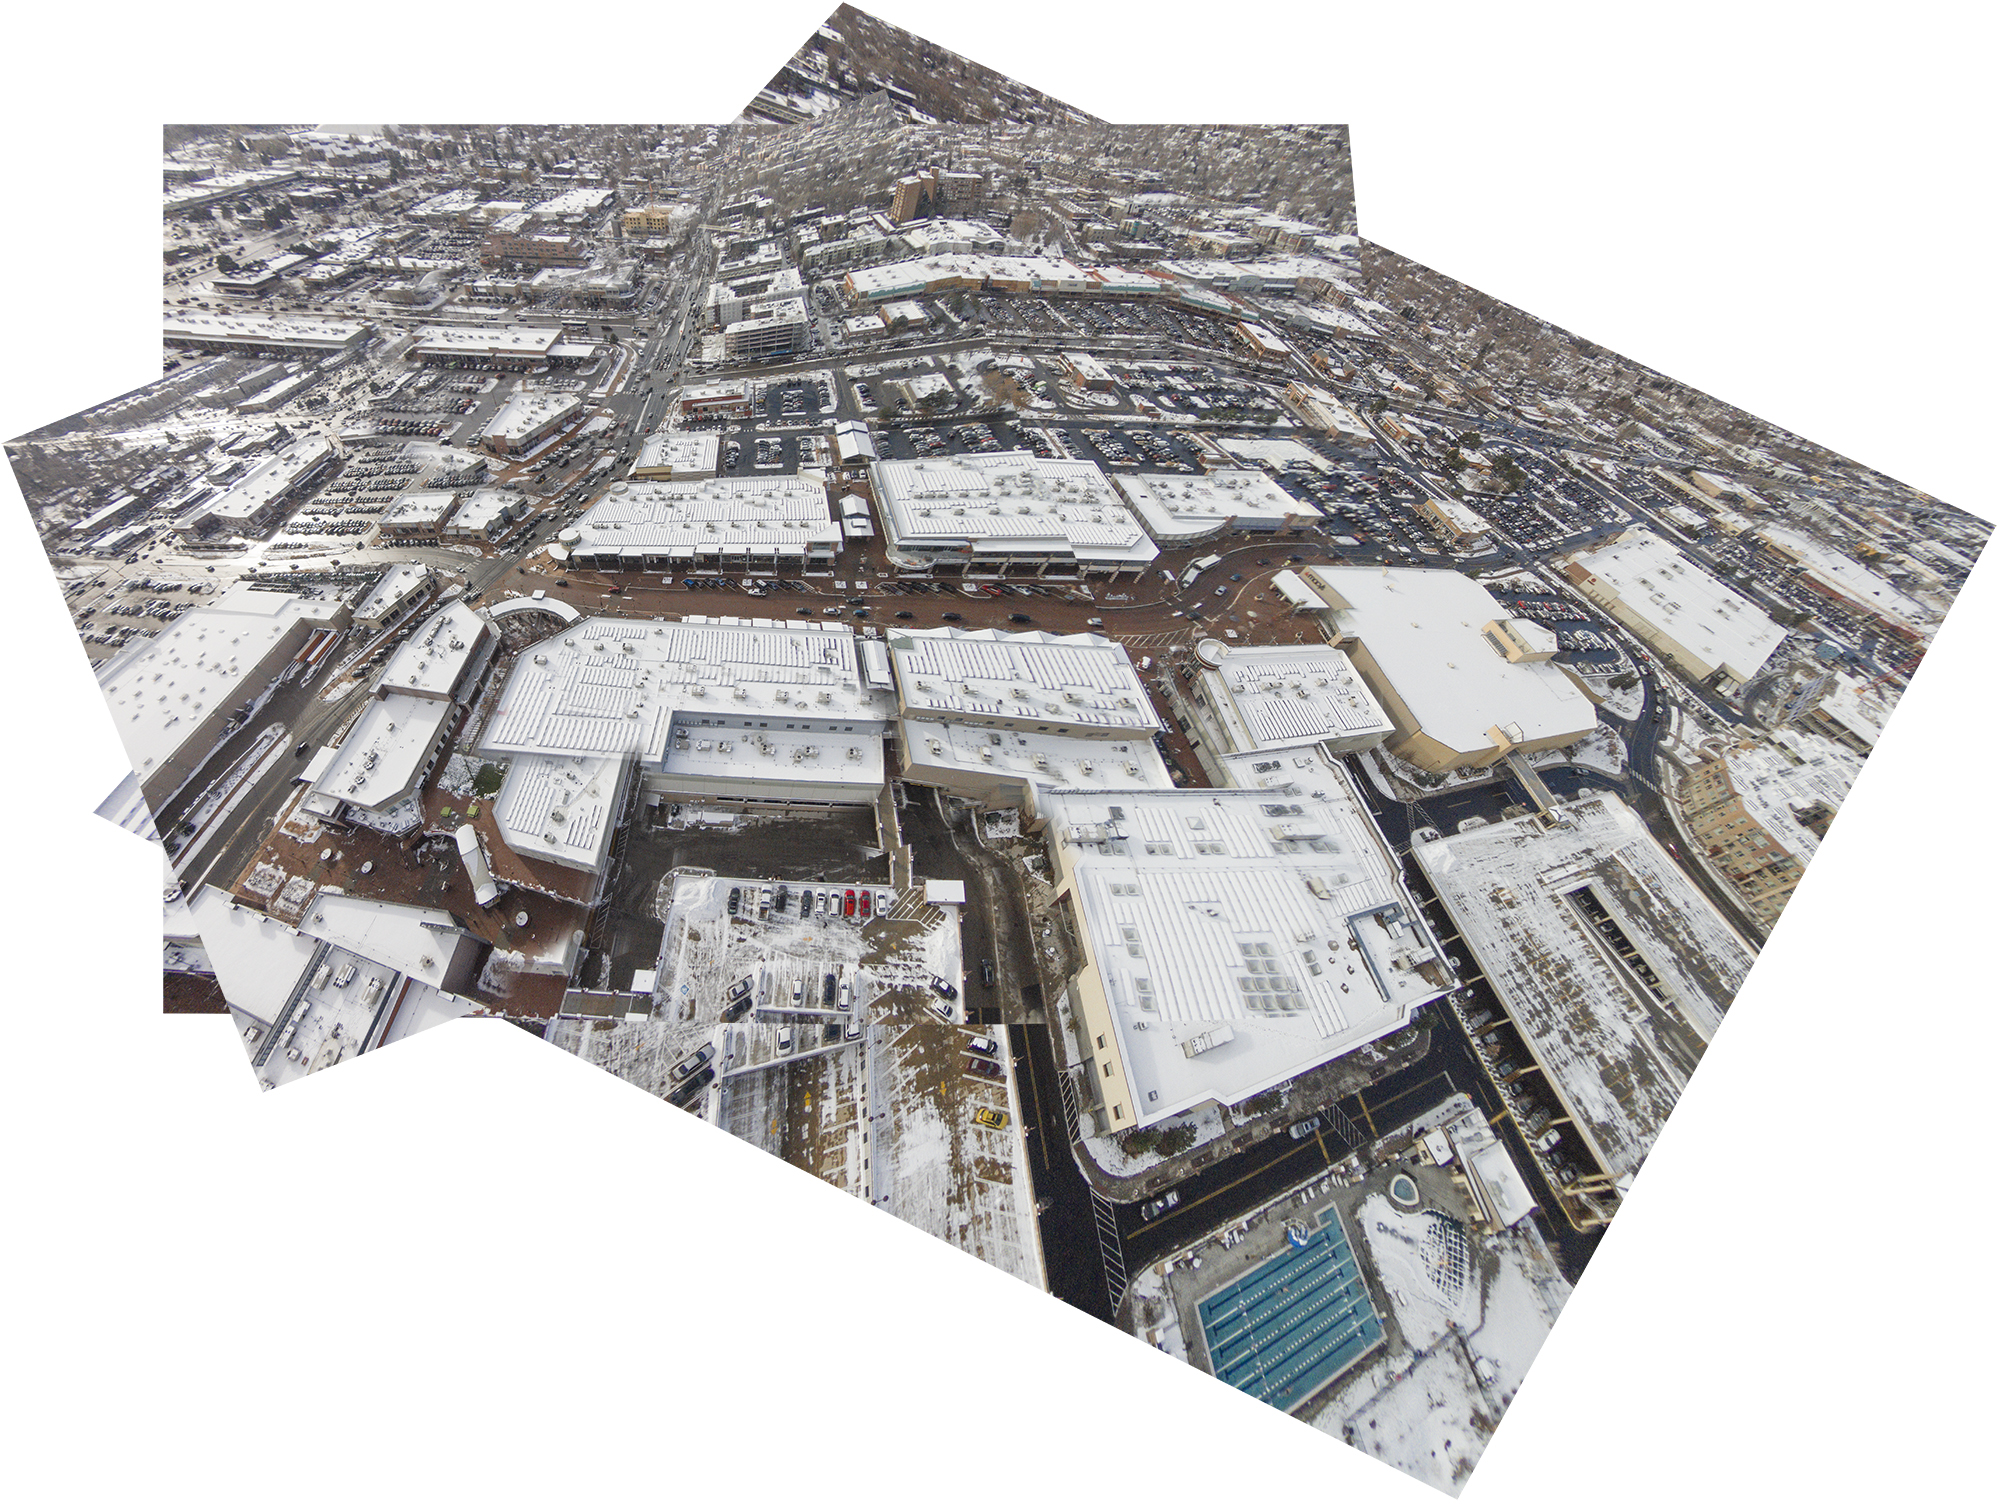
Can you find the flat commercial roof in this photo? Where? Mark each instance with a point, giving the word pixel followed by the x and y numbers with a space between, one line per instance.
pixel 161 689
pixel 1239 936
pixel 1673 596
pixel 433 658
pixel 269 481
pixel 1424 628
pixel 901 278
pixel 559 807
pixel 1076 682
pixel 1176 508
pixel 813 762
pixel 1532 901
pixel 1849 579
pixel 610 686
pixel 264 331
pixel 1294 697
pixel 678 452
pixel 1010 503
pixel 750 514
pixel 574 201
pixel 512 340
pixel 960 756
pixel 1791 774
pixel 487 506
pixel 420 509
pixel 527 413
pixel 379 760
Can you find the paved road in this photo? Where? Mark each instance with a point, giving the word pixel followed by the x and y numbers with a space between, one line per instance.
pixel 1070 1251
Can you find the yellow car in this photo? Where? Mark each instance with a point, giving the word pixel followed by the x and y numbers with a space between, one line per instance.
pixel 990 1118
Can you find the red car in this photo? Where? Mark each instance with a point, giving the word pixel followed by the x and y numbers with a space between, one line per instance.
pixel 848 909
pixel 867 903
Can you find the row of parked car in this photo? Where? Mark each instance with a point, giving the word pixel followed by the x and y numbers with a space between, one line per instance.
pixel 851 904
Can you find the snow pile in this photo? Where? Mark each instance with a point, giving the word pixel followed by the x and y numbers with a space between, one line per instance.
pixel 1424 1262
pixel 496 978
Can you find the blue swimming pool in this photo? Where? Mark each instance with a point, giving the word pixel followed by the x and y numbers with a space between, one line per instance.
pixel 1288 1327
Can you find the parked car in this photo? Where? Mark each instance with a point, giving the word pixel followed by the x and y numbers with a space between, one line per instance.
pixel 1159 1205
pixel 1304 1127
pixel 984 1046
pixel 990 1118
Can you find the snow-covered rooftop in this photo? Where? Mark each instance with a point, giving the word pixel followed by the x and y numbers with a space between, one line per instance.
pixel 1616 1040
pixel 1791 773
pixel 1179 508
pixel 398 583
pixel 1237 937
pixel 1078 682
pixel 339 983
pixel 382 756
pixel 420 509
pixel 1425 631
pixel 160 689
pixel 511 340
pixel 740 515
pixel 573 202
pixel 527 413
pixel 969 758
pixel 926 237
pixel 609 686
pixel 1858 707
pixel 1290 697
pixel 677 452
pixel 1848 579
pixel 274 331
pixel 269 481
pixel 559 807
pixel 433 659
pixel 790 762
pixel 901 278
pixel 1665 590
pixel 1010 503
pixel 485 507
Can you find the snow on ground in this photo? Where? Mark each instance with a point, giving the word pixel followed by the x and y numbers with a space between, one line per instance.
pixel 1431 1423
pixel 1603 751
pixel 1522 1303
pixel 1105 1150
pixel 1160 1318
pixel 931 1164
pixel 1625 704
pixel 1402 1247
pixel 455 779
pixel 1404 781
